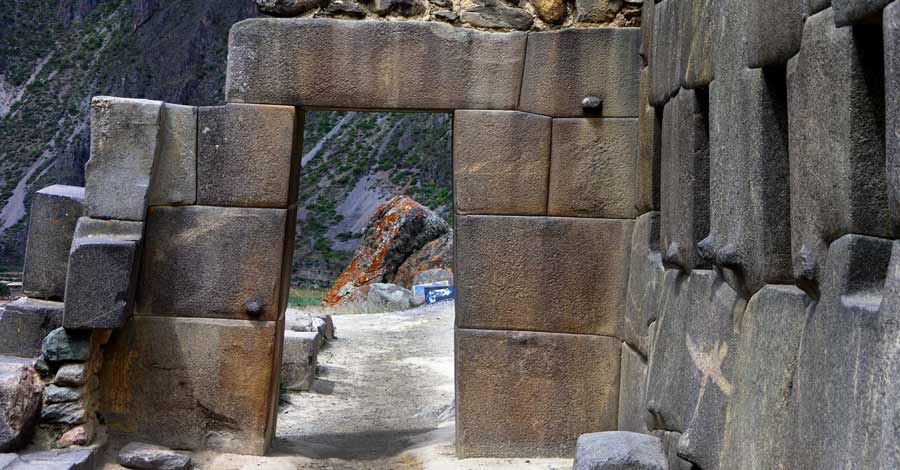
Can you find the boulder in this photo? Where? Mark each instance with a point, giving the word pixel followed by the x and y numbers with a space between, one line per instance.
pixel 397 229
pixel 20 400
pixel 299 360
pixel 63 345
pixel 142 456
pixel 70 374
pixel 437 254
pixel 498 17
pixel 619 450
pixel 387 298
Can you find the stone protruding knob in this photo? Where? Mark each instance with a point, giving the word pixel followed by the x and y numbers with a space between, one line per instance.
pixel 253 307
pixel 592 105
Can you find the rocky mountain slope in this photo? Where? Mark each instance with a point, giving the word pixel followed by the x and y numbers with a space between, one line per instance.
pixel 56 54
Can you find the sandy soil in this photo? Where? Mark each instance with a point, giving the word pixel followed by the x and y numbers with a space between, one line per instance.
pixel 383 401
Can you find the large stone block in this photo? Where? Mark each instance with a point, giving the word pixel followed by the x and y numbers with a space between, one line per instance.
pixel 124 148
pixel 698 47
pixel 632 385
pixel 774 31
pixel 843 389
pixel 760 414
pixel 592 168
pixel 511 388
pixel 175 180
pixel 217 376
pixel 749 201
pixel 541 274
pixel 330 63
pixel 646 167
pixel 618 450
pixel 848 12
pixel 25 322
pixel 562 68
pixel 244 245
pixel 501 161
pixel 645 276
pixel 100 283
pixel 299 359
pixel 684 176
pixel 690 377
pixel 662 54
pixel 836 158
pixel 892 109
pixel 245 155
pixel 54 212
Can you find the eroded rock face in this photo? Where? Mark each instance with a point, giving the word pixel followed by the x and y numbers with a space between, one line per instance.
pixel 396 230
pixel 436 254
pixel 20 400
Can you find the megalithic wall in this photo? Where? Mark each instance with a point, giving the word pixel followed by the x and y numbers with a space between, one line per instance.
pixel 769 330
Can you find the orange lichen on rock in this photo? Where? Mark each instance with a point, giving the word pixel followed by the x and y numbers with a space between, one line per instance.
pixel 396 230
pixel 436 254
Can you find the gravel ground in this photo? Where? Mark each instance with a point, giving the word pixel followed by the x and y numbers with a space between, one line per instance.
pixel 383 401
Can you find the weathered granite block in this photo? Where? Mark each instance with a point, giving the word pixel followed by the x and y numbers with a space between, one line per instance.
pixel 329 63
pixel 663 56
pixel 100 283
pixel 182 243
pixel 647 164
pixel 560 72
pixel 749 201
pixel 645 276
pixel 175 180
pixel 101 228
pixel 124 149
pixel 836 159
pixel 633 414
pixel 592 168
pixel 891 27
pixel 501 161
pixel 840 381
pixel 245 155
pixel 511 386
pixel 54 213
pixel 25 322
pixel 761 411
pixel 618 450
pixel 698 48
pixel 690 376
pixel 774 31
pixel 299 360
pixel 848 12
pixel 575 284
pixel 647 17
pixel 684 179
pixel 217 376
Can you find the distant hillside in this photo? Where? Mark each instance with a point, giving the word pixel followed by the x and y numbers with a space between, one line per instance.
pixel 56 55
pixel 353 162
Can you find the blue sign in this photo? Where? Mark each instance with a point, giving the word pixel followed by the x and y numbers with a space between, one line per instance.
pixel 438 293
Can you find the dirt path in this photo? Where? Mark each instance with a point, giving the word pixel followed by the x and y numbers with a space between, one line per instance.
pixel 383 401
